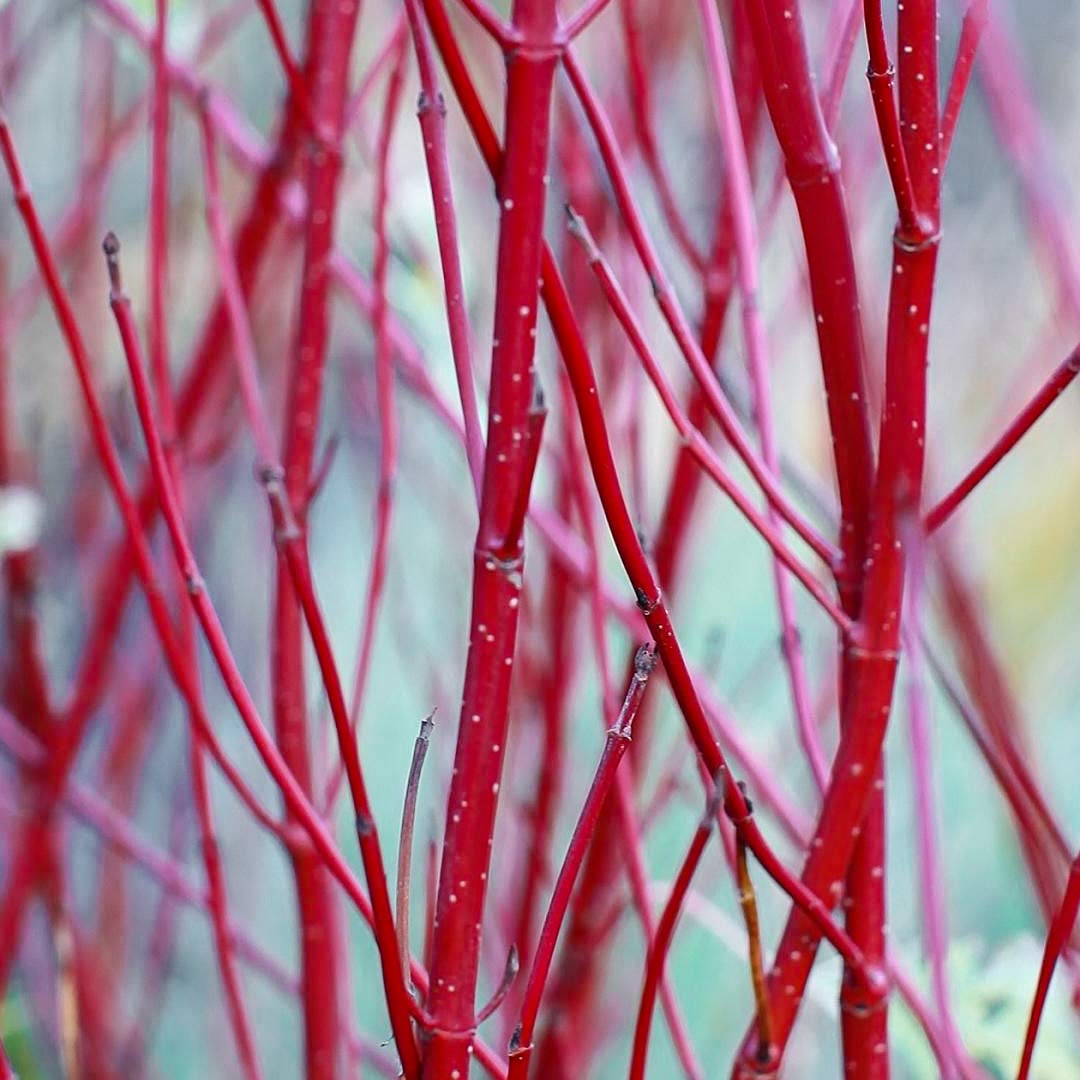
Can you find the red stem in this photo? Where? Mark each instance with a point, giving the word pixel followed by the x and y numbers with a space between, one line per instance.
pixel 677 321
pixel 879 74
pixel 431 110
pixel 498 562
pixel 387 408
pixel 618 738
pixel 970 32
pixel 377 909
pixel 1025 420
pixel 665 932
pixel 755 343
pixel 694 440
pixel 30 852
pixel 331 29
pixel 932 886
pixel 118 832
pixel 577 982
pixel 251 245
pixel 872 659
pixel 504 35
pixel 643 114
pixel 631 838
pixel 556 681
pixel 583 18
pixel 574 562
pixel 297 86
pixel 1060 931
pixel 157 254
pixel 813 171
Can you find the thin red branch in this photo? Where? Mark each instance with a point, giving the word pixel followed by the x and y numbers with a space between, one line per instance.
pixel 754 338
pixel 631 834
pixel 330 36
pixel 931 883
pixel 643 118
pixel 665 932
pixel 431 110
pixel 695 441
pixel 970 32
pixel 879 74
pixel 379 904
pixel 677 321
pixel 618 738
pixel 284 522
pixel 386 404
pixel 812 164
pixel 1060 931
pixel 1025 420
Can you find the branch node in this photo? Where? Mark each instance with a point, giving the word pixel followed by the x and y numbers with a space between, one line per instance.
pixel 645 605
pixel 513 965
pixel 922 237
pixel 426 103
pixel 644 661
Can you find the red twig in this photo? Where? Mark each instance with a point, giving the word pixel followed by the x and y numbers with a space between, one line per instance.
pixel 503 34
pixel 1025 420
pixel 31 851
pixel 494 879
pixel 297 803
pixel 1060 931
pixel 677 321
pixel 618 737
pixel 855 788
pixel 295 558
pixel 431 110
pixel 330 35
pixel 813 171
pixel 695 442
pixel 384 391
pixel 665 932
pixel 297 86
pixel 583 18
pixel 643 117
pixel 746 248
pixel 631 838
pixel 879 74
pixel 157 254
pixel 970 32
pixel 577 983
pixel 117 831
pixel 931 885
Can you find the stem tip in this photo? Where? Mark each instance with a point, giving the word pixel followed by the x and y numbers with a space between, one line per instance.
pixel 111 246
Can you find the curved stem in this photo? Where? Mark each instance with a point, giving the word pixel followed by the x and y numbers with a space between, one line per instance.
pixel 618 738
pixel 665 932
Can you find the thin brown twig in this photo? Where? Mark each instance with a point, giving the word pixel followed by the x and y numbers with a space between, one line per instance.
pixel 408 822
